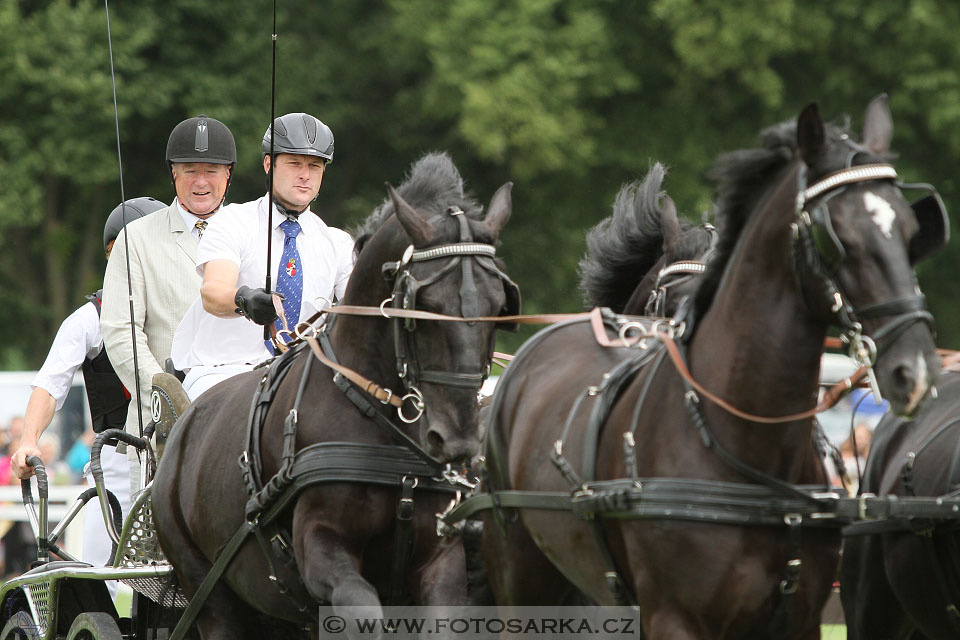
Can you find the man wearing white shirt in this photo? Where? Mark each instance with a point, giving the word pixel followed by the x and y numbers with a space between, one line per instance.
pixel 79 344
pixel 216 339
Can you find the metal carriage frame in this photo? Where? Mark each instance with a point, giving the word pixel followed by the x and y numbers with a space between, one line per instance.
pixel 69 599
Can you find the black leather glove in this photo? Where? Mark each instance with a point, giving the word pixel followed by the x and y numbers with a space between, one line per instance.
pixel 256 304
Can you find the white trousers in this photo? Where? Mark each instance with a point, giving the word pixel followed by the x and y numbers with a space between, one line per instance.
pixel 97 544
pixel 201 378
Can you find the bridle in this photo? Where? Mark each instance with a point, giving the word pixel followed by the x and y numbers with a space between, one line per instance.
pixel 667 277
pixel 465 254
pixel 818 252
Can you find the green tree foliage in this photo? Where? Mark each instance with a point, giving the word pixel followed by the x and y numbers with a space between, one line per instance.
pixel 567 99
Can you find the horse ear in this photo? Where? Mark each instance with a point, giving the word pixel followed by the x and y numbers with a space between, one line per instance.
pixel 878 125
pixel 413 223
pixel 810 134
pixel 499 210
pixel 669 225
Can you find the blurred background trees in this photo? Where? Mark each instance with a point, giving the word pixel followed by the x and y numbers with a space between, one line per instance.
pixel 568 99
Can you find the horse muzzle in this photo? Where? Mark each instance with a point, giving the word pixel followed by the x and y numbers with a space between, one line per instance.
pixel 907 379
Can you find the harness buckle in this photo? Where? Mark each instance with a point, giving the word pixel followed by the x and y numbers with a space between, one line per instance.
pixel 837 302
pixel 862 506
pixel 388 398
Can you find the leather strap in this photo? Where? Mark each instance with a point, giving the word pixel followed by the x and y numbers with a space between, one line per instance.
pixel 386 396
pixel 200 597
pixel 829 399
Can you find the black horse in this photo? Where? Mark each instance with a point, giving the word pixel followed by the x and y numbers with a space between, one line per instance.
pixel 815 233
pixel 642 251
pixel 901 581
pixel 341 537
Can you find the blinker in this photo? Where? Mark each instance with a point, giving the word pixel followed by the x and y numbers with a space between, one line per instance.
pixel 825 239
pixel 934 231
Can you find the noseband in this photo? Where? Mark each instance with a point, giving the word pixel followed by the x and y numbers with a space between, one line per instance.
pixel 464 254
pixel 817 250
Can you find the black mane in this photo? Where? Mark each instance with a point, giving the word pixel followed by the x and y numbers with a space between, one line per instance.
pixel 432 184
pixel 623 247
pixel 743 179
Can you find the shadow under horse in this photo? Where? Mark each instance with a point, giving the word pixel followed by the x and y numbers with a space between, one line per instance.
pixel 338 542
pixel 643 258
pixel 815 233
pixel 900 577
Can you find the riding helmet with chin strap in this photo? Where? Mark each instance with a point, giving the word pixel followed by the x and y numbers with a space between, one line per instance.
pixel 202 139
pixel 299 133
pixel 135 208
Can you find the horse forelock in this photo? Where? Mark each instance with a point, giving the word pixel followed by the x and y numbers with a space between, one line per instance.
pixel 744 177
pixel 431 186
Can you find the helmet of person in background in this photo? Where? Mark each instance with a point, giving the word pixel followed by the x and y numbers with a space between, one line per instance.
pixel 201 139
pixel 299 133
pixel 131 209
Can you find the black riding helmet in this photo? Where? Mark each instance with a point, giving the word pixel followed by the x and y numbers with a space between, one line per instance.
pixel 202 139
pixel 299 133
pixel 135 208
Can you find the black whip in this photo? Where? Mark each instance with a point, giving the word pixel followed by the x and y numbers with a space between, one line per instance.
pixel 273 94
pixel 123 215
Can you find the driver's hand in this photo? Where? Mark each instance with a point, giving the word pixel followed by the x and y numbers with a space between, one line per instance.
pixel 18 463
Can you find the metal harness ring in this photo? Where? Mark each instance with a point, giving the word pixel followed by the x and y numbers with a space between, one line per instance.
pixel 416 399
pixel 382 304
pixel 627 327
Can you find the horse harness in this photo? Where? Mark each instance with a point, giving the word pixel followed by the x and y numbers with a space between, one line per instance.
pixel 937 538
pixel 768 501
pixel 817 251
pixel 404 296
pixel 404 465
pixel 677 273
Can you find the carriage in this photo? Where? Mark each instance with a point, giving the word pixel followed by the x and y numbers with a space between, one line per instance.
pixel 68 598
pixel 607 492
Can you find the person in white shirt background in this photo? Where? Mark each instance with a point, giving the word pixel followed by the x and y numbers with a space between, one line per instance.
pixel 79 344
pixel 311 261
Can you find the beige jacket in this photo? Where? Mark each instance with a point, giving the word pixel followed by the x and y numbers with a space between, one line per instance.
pixel 165 282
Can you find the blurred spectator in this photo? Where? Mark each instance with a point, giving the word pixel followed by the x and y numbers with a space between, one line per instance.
pixel 854 451
pixel 19 545
pixel 13 433
pixel 79 455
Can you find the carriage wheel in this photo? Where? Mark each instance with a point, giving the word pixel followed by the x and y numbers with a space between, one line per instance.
pixel 20 626
pixel 94 625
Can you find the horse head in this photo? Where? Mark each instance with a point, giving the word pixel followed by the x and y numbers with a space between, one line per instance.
pixel 857 239
pixel 433 253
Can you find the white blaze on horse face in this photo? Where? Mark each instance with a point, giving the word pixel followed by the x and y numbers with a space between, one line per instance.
pixel 881 212
pixel 921 387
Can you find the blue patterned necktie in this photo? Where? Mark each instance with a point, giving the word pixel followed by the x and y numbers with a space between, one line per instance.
pixel 290 275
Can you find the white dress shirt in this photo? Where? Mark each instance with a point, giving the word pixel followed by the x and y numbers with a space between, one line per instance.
pixel 77 339
pixel 237 234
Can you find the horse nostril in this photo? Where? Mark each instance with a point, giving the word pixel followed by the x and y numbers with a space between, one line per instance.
pixel 904 377
pixel 434 440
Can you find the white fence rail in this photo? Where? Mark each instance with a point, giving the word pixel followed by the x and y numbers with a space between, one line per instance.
pixel 60 499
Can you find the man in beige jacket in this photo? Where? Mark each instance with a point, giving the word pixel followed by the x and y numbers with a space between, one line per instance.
pixel 201 154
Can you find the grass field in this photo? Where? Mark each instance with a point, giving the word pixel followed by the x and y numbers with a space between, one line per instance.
pixel 833 632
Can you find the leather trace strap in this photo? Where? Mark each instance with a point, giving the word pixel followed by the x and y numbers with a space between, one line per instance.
pixel 386 396
pixel 828 401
